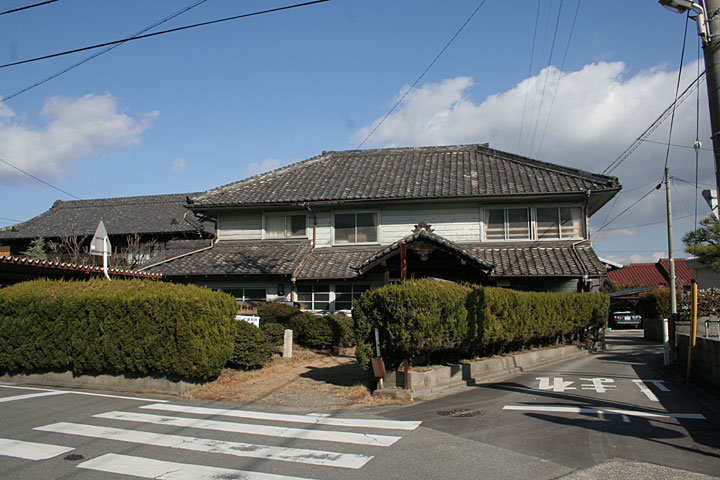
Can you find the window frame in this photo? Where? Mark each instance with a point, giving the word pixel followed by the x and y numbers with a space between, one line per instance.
pixel 244 298
pixel 313 293
pixel 286 216
pixel 355 213
pixel 506 223
pixel 355 293
pixel 558 209
pixel 533 234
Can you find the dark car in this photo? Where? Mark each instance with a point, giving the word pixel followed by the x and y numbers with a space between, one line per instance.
pixel 625 319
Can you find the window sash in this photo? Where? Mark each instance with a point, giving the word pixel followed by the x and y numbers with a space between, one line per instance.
pixel 284 226
pixel 356 227
pixel 547 222
pixel 571 222
pixel 518 224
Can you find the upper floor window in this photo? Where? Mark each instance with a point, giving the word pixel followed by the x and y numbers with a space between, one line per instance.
pixel 356 227
pixel 507 224
pixel 559 222
pixel 284 226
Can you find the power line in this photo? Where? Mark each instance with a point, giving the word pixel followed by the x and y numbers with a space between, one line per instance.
pixel 39 180
pixel 17 9
pixel 97 54
pixel 646 224
pixel 527 90
pixel 547 74
pixel 163 32
pixel 693 183
pixel 10 219
pixel 658 121
pixel 557 85
pixel 677 89
pixel 628 208
pixel 421 76
pixel 675 145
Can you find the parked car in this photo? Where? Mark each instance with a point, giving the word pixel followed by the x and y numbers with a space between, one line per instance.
pixel 625 318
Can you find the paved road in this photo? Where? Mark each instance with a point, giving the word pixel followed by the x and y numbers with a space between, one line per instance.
pixel 605 416
pixel 615 406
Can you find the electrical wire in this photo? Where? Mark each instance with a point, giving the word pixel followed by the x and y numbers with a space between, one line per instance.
pixel 163 32
pixel 420 77
pixel 658 121
pixel 646 224
pixel 675 145
pixel 527 90
pixel 697 145
pixel 628 208
pixel 677 89
pixel 693 183
pixel 97 54
pixel 557 85
pixel 39 179
pixel 26 7
pixel 10 219
pixel 547 74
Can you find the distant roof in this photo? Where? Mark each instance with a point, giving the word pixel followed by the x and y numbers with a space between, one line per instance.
pixel 152 214
pixel 653 274
pixel 455 171
pixel 15 269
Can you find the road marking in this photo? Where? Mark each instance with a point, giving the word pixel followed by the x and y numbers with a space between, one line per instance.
pixel 558 384
pixel 311 419
pixel 659 384
pixel 254 429
pixel 604 411
pixel 90 394
pixel 599 384
pixel 162 470
pixel 29 396
pixel 30 450
pixel 238 449
pixel 644 389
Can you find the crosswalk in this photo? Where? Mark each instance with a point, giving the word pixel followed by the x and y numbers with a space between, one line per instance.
pixel 317 440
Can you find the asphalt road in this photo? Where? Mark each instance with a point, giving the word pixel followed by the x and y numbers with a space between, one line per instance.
pixel 609 415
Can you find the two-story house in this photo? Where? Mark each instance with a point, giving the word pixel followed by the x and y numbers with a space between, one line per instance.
pixel 322 231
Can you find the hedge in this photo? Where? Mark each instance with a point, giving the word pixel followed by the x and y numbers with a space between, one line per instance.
pixel 123 326
pixel 309 330
pixel 414 318
pixel 654 303
pixel 252 347
pixel 426 319
pixel 504 320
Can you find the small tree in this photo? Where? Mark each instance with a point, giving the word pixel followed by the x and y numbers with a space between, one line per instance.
pixel 704 242
pixel 36 250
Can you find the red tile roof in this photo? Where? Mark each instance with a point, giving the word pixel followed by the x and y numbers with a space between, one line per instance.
pixel 653 274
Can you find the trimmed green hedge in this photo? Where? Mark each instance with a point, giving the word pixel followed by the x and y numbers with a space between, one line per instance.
pixel 252 347
pixel 414 318
pixel 654 303
pixel 503 319
pixel 123 326
pixel 309 330
pixel 447 321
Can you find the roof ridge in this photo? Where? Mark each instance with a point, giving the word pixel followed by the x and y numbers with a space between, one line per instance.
pixel 128 200
pixel 260 176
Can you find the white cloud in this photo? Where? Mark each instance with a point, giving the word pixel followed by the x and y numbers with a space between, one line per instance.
pixel 179 165
pixel 266 165
pixel 75 128
pixel 597 112
pixel 649 258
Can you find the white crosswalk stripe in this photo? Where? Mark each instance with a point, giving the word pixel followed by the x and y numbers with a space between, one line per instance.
pixel 356 434
pixel 30 450
pixel 254 429
pixel 315 419
pixel 298 455
pixel 162 470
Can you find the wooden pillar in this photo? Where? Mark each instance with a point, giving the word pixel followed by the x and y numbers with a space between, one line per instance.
pixel 403 262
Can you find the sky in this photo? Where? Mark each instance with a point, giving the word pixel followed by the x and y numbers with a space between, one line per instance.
pixel 567 82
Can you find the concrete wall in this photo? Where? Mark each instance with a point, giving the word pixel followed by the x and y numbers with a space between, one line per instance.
pixel 706 359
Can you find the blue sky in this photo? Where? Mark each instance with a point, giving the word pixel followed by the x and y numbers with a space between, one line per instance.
pixel 193 110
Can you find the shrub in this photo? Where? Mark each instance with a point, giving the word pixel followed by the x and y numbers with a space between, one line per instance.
pixel 274 332
pixel 317 332
pixel 654 303
pixel 342 327
pixel 414 318
pixel 123 326
pixel 276 312
pixel 502 319
pixel 252 348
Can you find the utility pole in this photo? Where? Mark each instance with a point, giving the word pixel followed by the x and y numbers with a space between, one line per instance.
pixel 708 25
pixel 671 253
pixel 711 49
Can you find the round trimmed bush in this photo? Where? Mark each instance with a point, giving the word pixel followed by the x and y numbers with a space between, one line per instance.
pixel 252 347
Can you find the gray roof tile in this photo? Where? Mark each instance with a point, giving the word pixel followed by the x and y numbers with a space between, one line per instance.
pixel 455 171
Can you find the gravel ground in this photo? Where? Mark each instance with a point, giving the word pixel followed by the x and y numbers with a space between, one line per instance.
pixel 309 379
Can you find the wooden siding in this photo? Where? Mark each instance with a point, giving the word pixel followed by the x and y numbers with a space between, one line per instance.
pixel 240 226
pixel 457 223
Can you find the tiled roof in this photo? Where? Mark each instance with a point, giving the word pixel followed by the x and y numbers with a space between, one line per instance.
pixel 423 234
pixel 456 171
pixel 544 259
pixel 653 274
pixel 154 214
pixel 335 262
pixel 549 259
pixel 43 267
pixel 257 258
